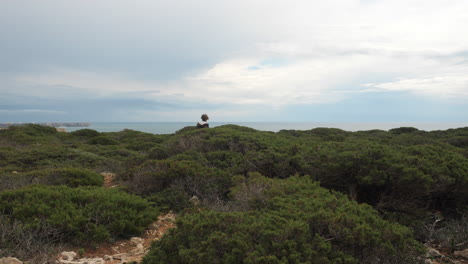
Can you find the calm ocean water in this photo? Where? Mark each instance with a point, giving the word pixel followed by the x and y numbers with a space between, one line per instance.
pixel 171 127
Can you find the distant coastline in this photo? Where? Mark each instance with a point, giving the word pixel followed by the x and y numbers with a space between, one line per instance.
pixel 172 127
pixel 54 124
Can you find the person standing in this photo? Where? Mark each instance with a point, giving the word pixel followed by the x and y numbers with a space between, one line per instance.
pixel 204 122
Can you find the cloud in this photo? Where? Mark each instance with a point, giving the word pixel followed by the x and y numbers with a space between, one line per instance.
pixel 454 86
pixel 168 59
pixel 66 82
pixel 31 111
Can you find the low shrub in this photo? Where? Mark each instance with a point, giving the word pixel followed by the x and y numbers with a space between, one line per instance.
pixel 36 245
pixel 293 221
pixel 189 177
pixel 80 214
pixel 103 140
pixel 85 133
pixel 71 177
pixel 29 134
pixel 453 233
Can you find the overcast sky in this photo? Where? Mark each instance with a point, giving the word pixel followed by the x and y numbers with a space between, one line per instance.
pixel 242 60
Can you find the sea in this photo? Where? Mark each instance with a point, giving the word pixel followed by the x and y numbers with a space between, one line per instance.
pixel 172 127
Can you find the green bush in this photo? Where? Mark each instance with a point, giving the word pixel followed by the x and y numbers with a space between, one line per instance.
pixel 188 177
pixel 103 140
pixel 29 134
pixel 295 221
pixel 403 130
pixel 81 214
pixel 85 133
pixel 71 177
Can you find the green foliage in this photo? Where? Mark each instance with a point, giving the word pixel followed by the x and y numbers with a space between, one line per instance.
pixel 138 141
pixel 298 222
pixel 405 173
pixel 103 140
pixel 85 133
pixel 184 176
pixel 403 130
pixel 170 199
pixel 71 177
pixel 79 214
pixel 28 134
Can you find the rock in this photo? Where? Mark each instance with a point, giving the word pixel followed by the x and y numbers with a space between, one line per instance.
pixel 428 261
pixel 115 249
pixel 432 252
pixel 463 253
pixel 121 256
pixel 93 261
pixel 84 261
pixel 137 240
pixel 194 201
pixel 10 261
pixel 140 249
pixel 68 255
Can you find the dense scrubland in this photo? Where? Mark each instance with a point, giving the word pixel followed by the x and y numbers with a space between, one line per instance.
pixel 318 196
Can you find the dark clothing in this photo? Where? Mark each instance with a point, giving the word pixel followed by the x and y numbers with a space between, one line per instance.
pixel 202 125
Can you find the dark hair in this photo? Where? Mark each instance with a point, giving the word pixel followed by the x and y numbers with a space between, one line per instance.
pixel 204 117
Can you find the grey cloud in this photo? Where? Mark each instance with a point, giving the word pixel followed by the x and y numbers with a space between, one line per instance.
pixel 147 39
pixel 117 108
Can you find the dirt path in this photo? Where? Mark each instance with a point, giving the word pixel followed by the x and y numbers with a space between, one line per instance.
pixel 135 248
pixel 122 251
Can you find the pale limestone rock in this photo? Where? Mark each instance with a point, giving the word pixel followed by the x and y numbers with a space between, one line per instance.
pixel 10 261
pixel 84 261
pixel 93 261
pixel 140 249
pixel 68 255
pixel 428 261
pixel 115 249
pixel 136 240
pixel 463 253
pixel 194 201
pixel 432 252
pixel 121 256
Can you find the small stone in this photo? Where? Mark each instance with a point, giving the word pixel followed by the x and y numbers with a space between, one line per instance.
pixel 428 261
pixel 10 261
pixel 68 255
pixel 136 240
pixel 463 253
pixel 121 256
pixel 140 249
pixel 90 261
pixel 116 249
pixel 194 201
pixel 432 252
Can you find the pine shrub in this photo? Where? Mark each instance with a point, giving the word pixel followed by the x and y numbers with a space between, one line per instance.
pixel 80 214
